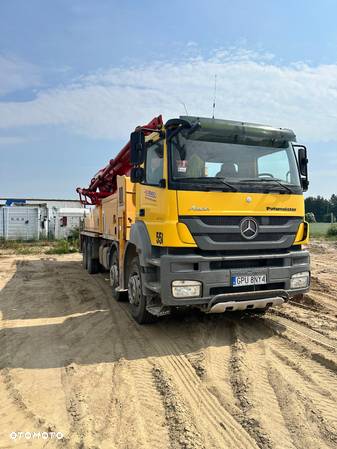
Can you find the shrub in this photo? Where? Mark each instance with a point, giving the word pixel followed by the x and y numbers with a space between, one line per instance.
pixel 62 247
pixel 74 234
pixel 310 217
pixel 74 238
pixel 332 231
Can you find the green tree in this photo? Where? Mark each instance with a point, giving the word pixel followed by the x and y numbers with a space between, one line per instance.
pixel 333 205
pixel 319 206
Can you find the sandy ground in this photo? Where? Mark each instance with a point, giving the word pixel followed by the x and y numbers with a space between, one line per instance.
pixel 73 361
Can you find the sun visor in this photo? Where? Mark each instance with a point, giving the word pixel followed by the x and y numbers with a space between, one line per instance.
pixel 239 132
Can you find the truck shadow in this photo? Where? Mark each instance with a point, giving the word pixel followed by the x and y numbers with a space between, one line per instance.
pixel 55 314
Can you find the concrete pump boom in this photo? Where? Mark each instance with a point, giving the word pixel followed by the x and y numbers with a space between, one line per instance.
pixel 104 182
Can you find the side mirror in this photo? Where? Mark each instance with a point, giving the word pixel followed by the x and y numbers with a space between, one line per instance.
pixel 137 144
pixel 305 184
pixel 303 166
pixel 137 174
pixel 303 161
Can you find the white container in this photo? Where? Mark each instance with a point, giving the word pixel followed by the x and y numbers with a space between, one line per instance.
pixel 19 223
pixel 66 220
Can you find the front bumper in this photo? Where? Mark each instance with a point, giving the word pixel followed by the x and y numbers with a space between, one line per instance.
pixel 215 273
pixel 219 305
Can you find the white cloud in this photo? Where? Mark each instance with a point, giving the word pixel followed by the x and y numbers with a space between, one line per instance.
pixel 16 74
pixel 250 87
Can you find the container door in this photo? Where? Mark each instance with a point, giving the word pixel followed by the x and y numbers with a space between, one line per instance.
pixel 22 223
pixel 32 223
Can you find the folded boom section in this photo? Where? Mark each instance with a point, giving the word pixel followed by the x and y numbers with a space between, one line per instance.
pixel 104 183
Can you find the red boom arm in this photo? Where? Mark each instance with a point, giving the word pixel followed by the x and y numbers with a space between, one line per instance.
pixel 104 183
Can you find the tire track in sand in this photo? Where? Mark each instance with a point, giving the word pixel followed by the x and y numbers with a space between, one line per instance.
pixel 315 384
pixel 142 404
pixel 248 379
pixel 215 425
pixel 287 367
pixel 182 430
pixel 309 430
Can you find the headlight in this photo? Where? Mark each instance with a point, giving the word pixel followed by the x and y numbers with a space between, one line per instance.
pixel 300 280
pixel 186 289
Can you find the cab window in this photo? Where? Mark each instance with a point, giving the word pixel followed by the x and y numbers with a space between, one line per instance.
pixel 275 165
pixel 154 164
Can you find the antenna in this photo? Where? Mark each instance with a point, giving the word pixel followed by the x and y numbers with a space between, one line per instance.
pixel 214 95
pixel 181 102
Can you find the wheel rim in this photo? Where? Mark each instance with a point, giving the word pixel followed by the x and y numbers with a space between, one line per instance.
pixel 134 289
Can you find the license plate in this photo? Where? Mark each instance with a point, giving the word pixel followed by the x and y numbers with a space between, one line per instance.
pixel 251 279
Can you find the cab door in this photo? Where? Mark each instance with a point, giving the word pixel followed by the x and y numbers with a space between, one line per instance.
pixel 151 207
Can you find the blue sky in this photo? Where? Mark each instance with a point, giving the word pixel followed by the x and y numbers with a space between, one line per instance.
pixel 77 76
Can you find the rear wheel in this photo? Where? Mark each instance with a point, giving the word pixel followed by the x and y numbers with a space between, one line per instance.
pixel 114 278
pixel 136 298
pixel 92 264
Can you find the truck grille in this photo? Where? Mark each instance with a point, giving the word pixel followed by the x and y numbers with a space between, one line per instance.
pixel 238 237
pixel 223 232
pixel 249 288
pixel 244 263
pixel 235 221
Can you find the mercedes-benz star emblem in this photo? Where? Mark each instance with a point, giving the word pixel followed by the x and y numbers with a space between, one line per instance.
pixel 249 228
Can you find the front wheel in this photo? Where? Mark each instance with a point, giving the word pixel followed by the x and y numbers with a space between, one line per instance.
pixel 114 278
pixel 136 298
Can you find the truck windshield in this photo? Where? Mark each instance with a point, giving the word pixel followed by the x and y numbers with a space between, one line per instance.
pixel 229 166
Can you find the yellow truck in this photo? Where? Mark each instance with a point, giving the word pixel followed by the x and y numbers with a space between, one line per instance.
pixel 201 212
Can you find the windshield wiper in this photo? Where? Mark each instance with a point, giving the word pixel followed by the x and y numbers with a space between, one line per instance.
pixel 234 189
pixel 277 181
pixel 209 180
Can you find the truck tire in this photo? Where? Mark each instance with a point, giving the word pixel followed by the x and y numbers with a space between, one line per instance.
pixel 136 298
pixel 92 264
pixel 84 255
pixel 114 279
